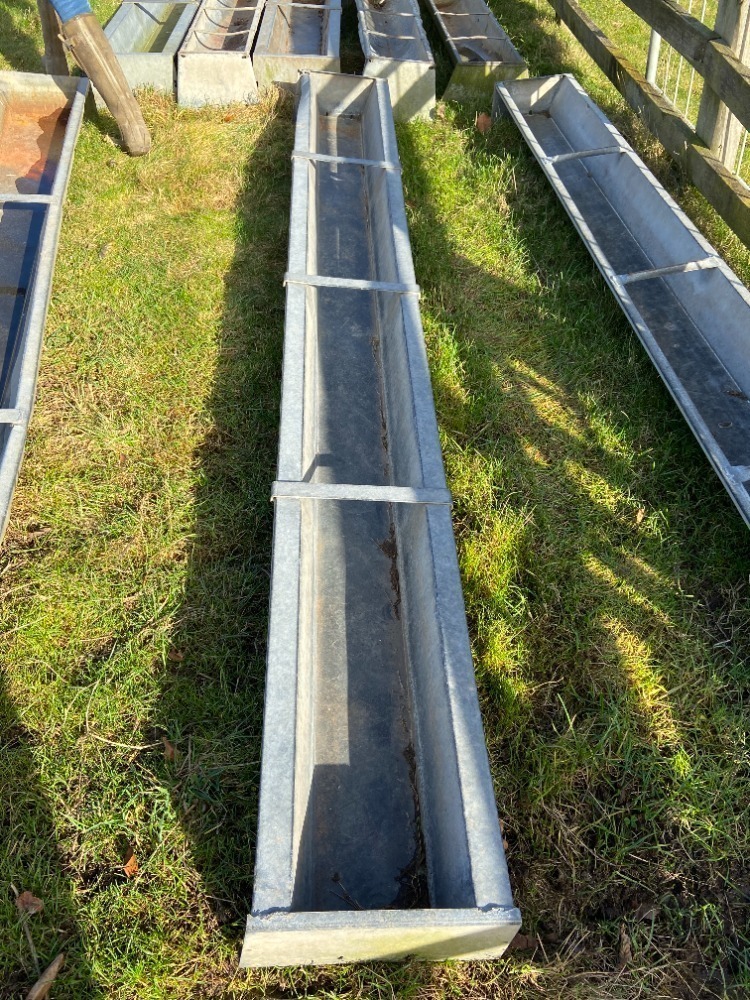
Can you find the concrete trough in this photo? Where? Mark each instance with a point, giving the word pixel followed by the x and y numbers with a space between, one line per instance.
pixel 378 833
pixel 296 37
pixel 214 64
pixel 689 309
pixel 396 49
pixel 480 50
pixel 40 117
pixel 145 38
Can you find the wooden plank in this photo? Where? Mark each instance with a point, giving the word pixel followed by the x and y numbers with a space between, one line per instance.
pixel 705 49
pixel 685 33
pixel 721 132
pixel 725 192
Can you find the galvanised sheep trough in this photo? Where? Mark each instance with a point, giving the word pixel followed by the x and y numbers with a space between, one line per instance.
pixel 378 832
pixel 214 64
pixel 40 117
pixel 297 35
pixel 145 38
pixel 690 311
pixel 479 48
pixel 395 46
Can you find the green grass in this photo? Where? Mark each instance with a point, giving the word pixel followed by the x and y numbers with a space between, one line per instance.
pixel 605 572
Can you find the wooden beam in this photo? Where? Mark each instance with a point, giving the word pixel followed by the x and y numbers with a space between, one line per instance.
pixel 709 51
pixel 728 195
pixel 716 127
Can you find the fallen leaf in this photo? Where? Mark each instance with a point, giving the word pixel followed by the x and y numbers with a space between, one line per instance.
pixel 130 866
pixel 640 514
pixel 41 987
pixel 28 903
pixel 483 122
pixel 169 750
pixel 524 942
pixel 502 834
pixel 175 655
pixel 626 948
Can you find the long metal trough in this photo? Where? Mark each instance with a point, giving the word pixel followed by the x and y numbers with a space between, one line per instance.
pixel 297 35
pixel 689 309
pixel 214 65
pixel 145 37
pixel 479 48
pixel 39 121
pixel 378 833
pixel 396 48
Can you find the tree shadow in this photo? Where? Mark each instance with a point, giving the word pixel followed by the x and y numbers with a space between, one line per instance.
pixel 577 661
pixel 211 708
pixel 30 860
pixel 20 49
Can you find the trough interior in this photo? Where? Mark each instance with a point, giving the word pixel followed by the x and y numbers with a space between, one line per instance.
pixel 148 28
pixel 20 234
pixel 358 412
pixel 371 769
pixel 699 320
pixel 614 193
pixel 32 132
pixel 475 32
pixel 358 833
pixel 395 36
pixel 345 121
pixel 223 28
pixel 356 243
pixel 298 29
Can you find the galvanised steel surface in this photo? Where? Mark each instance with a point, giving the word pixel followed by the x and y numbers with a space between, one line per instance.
pixel 40 117
pixel 297 35
pixel 395 45
pixel 213 62
pixel 145 38
pixel 378 833
pixel 479 48
pixel 689 309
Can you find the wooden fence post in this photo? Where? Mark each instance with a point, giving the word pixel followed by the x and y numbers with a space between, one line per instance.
pixel 719 129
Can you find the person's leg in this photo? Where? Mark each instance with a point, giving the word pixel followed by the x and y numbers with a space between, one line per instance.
pixel 55 62
pixel 90 48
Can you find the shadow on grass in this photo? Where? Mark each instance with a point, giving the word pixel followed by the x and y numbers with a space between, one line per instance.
pixel 608 798
pixel 211 705
pixel 16 47
pixel 30 861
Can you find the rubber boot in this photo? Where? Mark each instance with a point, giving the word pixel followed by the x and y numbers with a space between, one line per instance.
pixel 93 53
pixel 54 59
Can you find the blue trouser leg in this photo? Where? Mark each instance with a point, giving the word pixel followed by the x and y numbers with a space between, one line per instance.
pixel 66 9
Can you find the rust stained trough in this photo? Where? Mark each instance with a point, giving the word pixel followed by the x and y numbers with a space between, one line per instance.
pixel 40 117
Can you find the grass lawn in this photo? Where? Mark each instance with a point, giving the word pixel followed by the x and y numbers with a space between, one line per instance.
pixel 605 572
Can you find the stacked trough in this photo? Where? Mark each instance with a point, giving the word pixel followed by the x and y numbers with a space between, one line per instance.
pixel 378 832
pixel 689 309
pixel 220 51
pixel 39 121
pixel 228 50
